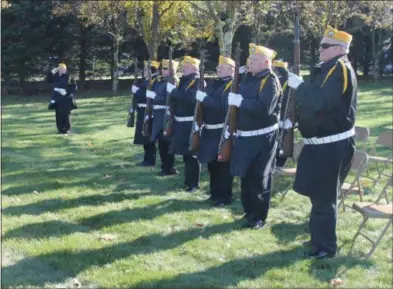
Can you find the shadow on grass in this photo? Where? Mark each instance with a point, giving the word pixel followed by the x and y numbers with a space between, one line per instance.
pixel 73 263
pixel 286 233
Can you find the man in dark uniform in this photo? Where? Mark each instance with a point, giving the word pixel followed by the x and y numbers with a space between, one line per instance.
pixel 215 105
pixel 184 102
pixel 254 150
pixel 281 70
pixel 62 97
pixel 159 98
pixel 139 91
pixel 325 112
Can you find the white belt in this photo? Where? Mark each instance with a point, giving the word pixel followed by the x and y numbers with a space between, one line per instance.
pixel 330 139
pixel 141 105
pixel 160 107
pixel 258 131
pixel 184 118
pixel 213 126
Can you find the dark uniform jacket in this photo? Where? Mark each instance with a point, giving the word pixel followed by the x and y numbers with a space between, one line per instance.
pixel 158 114
pixel 215 107
pixel 184 100
pixel 63 102
pixel 325 106
pixel 140 97
pixel 259 109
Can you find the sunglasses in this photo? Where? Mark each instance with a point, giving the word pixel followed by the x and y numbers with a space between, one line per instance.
pixel 327 45
pixel 165 68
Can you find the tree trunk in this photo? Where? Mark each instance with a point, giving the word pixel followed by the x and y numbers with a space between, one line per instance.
pixel 377 39
pixel 82 57
pixel 112 59
pixel 154 33
pixel 313 59
pixel 366 59
pixel 22 77
pixel 115 57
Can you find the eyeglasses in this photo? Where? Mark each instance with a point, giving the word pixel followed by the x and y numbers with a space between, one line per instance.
pixel 327 45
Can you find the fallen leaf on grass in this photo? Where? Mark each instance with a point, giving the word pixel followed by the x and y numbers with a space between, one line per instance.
pixel 107 176
pixel 108 237
pixel 89 143
pixel 199 225
pixel 77 284
pixel 36 192
pixel 336 282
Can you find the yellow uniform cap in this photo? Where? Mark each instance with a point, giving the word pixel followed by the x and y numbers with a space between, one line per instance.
pixel 153 63
pixel 256 49
pixel 278 63
pixel 191 60
pixel 226 60
pixel 62 65
pixel 342 36
pixel 165 64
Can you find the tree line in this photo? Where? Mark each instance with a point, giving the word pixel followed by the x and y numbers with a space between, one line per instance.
pixel 101 38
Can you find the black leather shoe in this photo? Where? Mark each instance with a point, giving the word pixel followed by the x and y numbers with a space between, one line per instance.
pixel 191 189
pixel 258 225
pixel 319 254
pixel 221 204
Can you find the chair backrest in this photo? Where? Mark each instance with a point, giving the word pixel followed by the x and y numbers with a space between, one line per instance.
pixel 359 162
pixel 361 135
pixel 297 148
pixel 384 192
pixel 385 138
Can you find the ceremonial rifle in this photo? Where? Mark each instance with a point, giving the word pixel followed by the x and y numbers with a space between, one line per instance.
pixel 287 135
pixel 198 114
pixel 226 140
pixel 131 116
pixel 149 105
pixel 168 118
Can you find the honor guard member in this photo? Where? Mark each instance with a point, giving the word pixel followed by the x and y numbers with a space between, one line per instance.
pixel 215 105
pixel 325 112
pixel 62 97
pixel 281 70
pixel 139 91
pixel 184 101
pixel 159 98
pixel 255 146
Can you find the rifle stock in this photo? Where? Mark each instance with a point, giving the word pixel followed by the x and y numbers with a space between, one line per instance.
pixel 287 135
pixel 131 117
pixel 168 117
pixel 149 106
pixel 229 130
pixel 198 113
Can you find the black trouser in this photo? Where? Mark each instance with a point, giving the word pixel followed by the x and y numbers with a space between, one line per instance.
pixel 63 121
pixel 191 171
pixel 220 181
pixel 322 224
pixel 255 197
pixel 167 160
pixel 150 153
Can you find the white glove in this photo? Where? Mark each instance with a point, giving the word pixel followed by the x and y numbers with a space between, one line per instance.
pixel 150 94
pixel 62 91
pixel 293 80
pixel 170 87
pixel 242 69
pixel 200 95
pixel 52 101
pixel 54 70
pixel 235 99
pixel 134 89
pixel 287 124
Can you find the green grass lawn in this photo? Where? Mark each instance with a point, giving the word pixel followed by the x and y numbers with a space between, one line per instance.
pixel 62 194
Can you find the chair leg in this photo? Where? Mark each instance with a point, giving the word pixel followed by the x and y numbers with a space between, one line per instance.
pixel 375 245
pixel 284 194
pixel 357 233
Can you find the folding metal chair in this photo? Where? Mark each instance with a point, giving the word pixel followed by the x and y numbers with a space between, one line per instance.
pixel 374 211
pixel 289 172
pixel 385 139
pixel 361 135
pixel 358 166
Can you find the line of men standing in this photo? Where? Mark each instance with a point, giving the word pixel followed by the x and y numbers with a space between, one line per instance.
pixel 325 111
